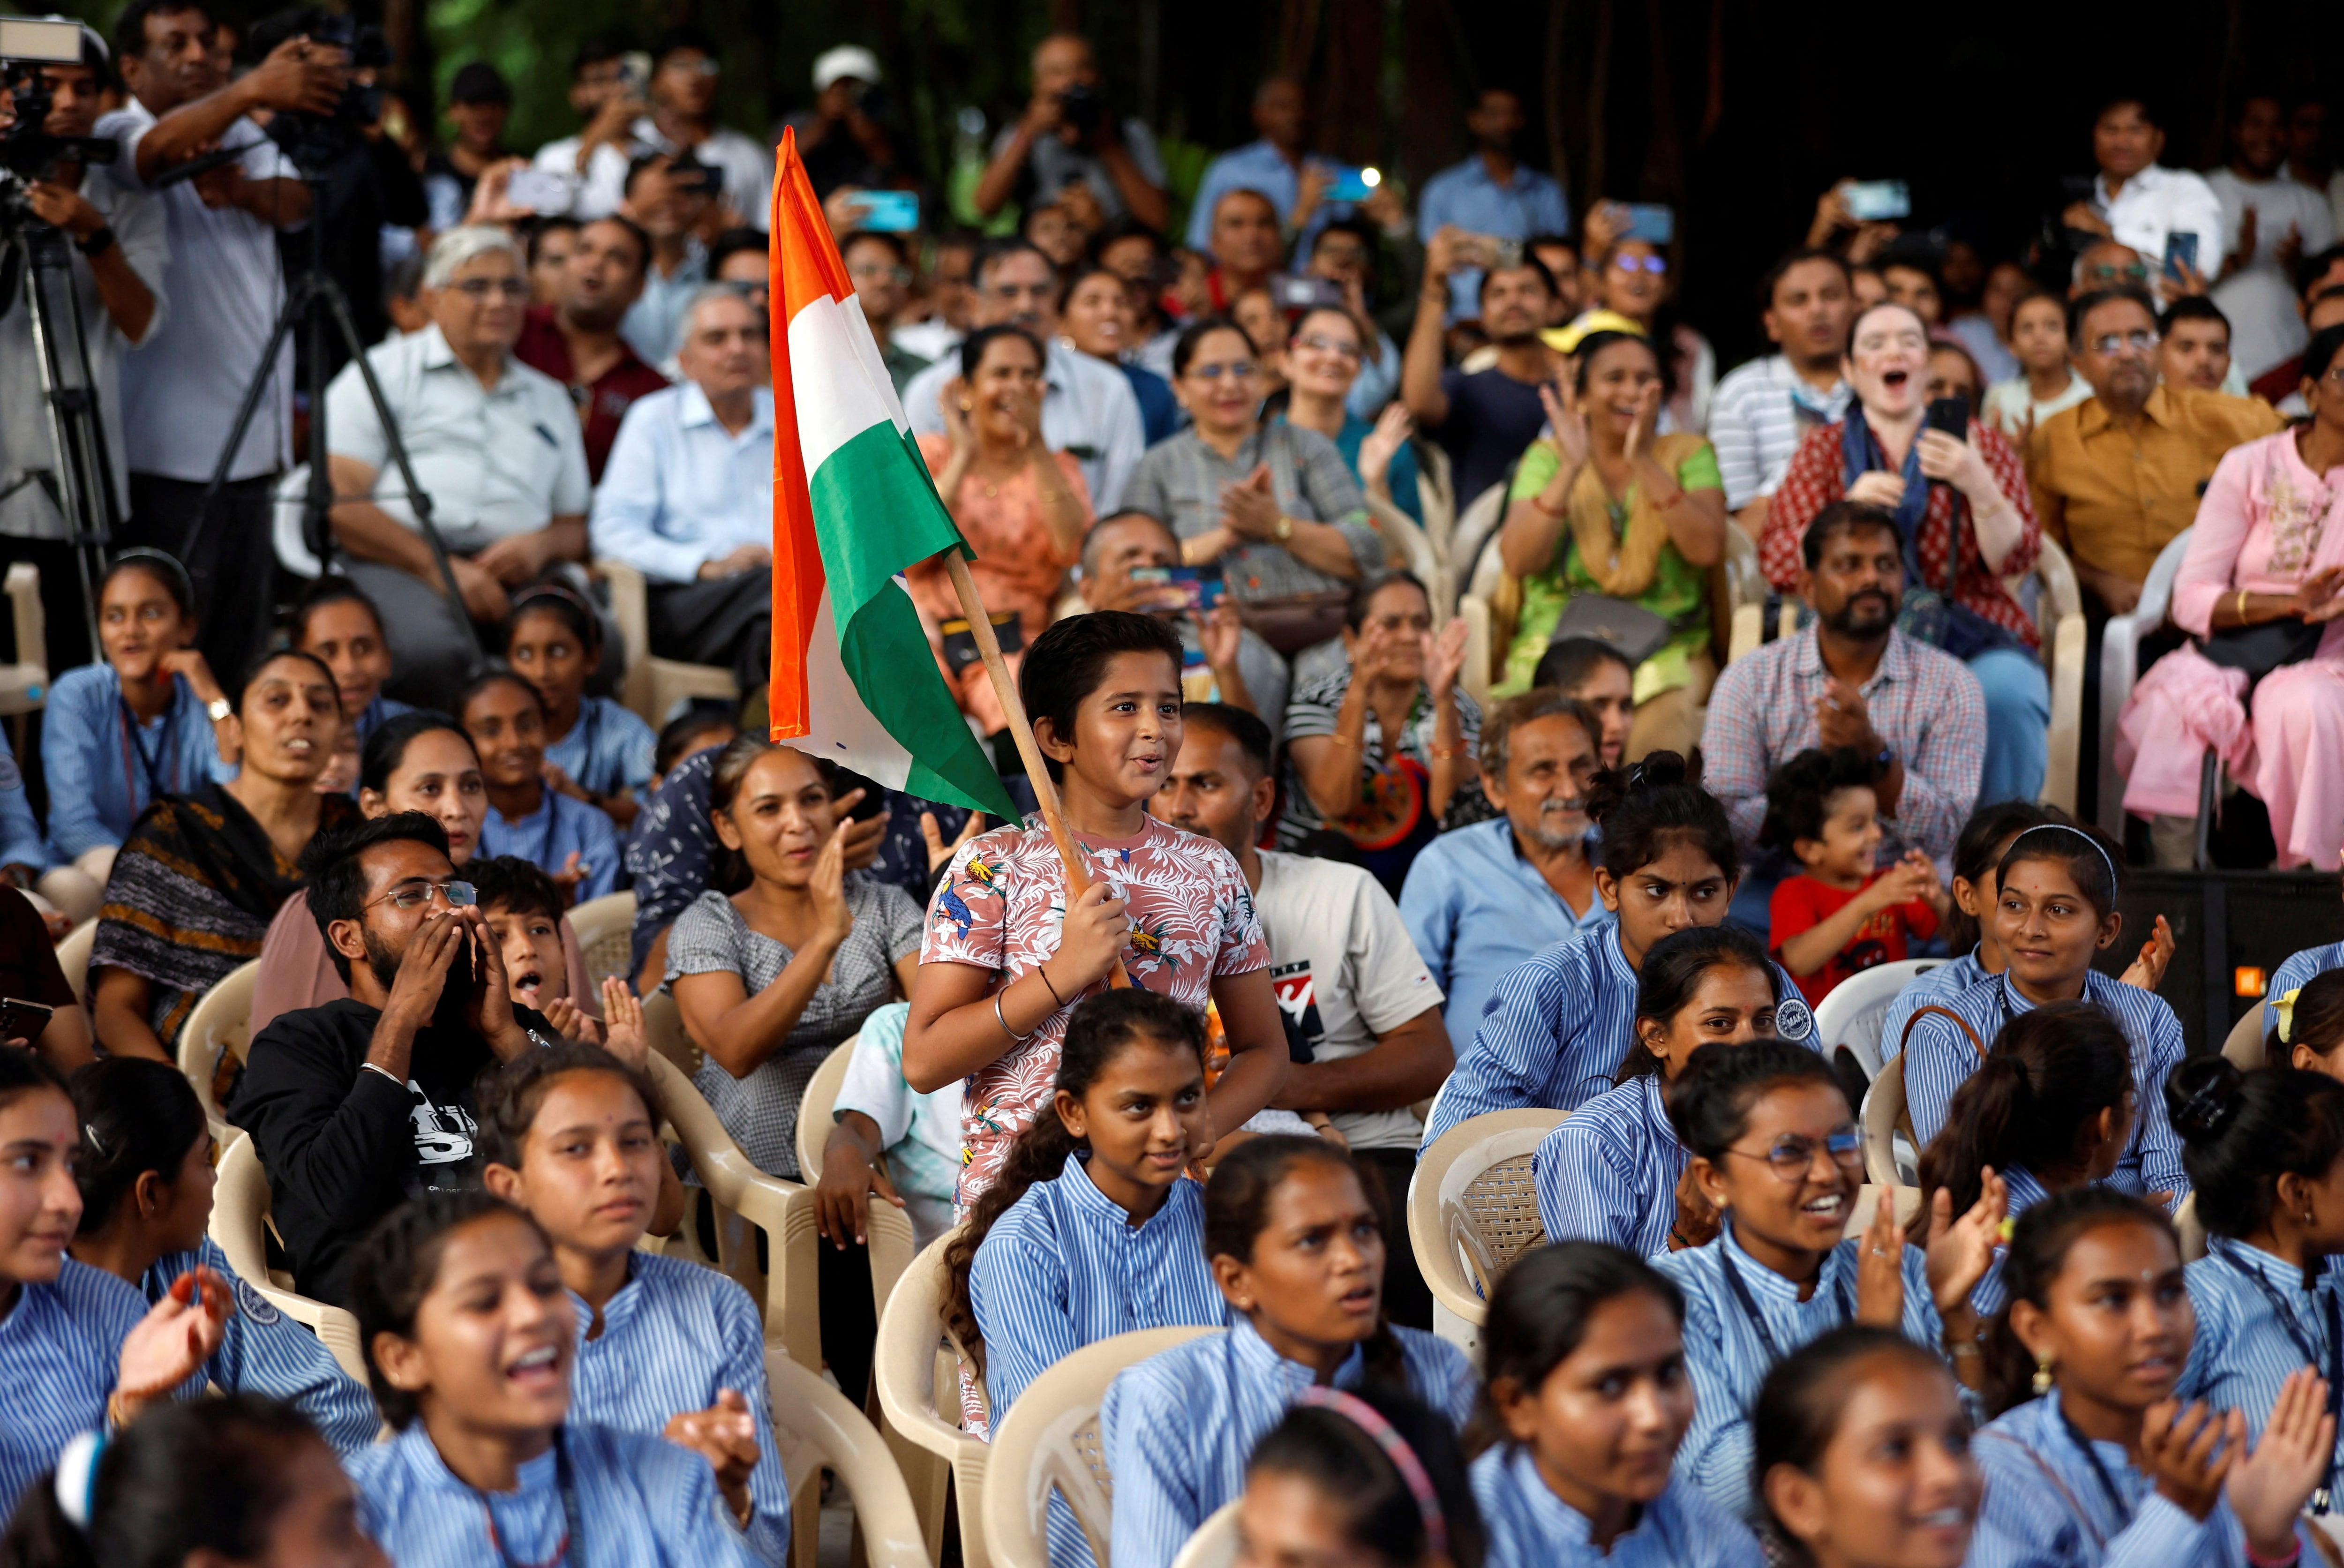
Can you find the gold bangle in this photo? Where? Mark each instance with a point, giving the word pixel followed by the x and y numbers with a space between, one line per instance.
pixel 1285 529
pixel 1341 739
pixel 2239 609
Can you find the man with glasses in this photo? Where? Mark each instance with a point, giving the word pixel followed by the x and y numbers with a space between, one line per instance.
pixel 881 271
pixel 356 1106
pixel 495 443
pixel 689 498
pixel 1087 407
pixel 684 72
pixel 575 339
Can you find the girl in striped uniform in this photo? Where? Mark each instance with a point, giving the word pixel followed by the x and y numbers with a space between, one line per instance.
pixel 1556 1029
pixel 146 1180
pixel 2266 1150
pixel 1776 1150
pixel 1371 1479
pixel 2057 908
pixel 1298 1253
pixel 1094 1228
pixel 78 1347
pixel 1863 1455
pixel 2095 1463
pixel 2051 1109
pixel 1589 1396
pixel 666 1348
pixel 1615 1172
pixel 2310 1029
pixel 469 1338
pixel 238 1479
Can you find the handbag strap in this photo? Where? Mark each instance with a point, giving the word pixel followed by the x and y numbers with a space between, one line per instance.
pixel 1959 1022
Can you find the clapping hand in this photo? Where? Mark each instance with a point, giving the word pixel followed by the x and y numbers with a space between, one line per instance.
pixel 1879 1267
pixel 2183 1450
pixel 832 917
pixel 1565 420
pixel 2148 970
pixel 1249 507
pixel 940 854
pixel 725 1434
pixel 1221 633
pixel 1444 658
pixel 1381 445
pixel 2268 1484
pixel 1647 419
pixel 1960 1252
pixel 171 1343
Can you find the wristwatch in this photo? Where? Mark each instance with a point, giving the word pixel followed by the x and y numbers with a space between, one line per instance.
pixel 100 240
pixel 218 708
pixel 1285 529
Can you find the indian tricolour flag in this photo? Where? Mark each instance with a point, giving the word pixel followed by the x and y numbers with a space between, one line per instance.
pixel 853 677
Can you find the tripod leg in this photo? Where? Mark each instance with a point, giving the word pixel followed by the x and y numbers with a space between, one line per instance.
pixel 296 301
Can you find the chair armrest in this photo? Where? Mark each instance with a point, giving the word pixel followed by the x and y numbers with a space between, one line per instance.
pixel 22 587
pixel 816 1420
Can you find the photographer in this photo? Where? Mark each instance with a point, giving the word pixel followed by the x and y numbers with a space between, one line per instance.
pixel 117 264
pixel 683 121
pixel 181 386
pixel 1066 136
pixel 610 101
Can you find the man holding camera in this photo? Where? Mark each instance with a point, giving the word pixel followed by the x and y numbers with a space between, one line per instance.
pixel 682 121
pixel 603 90
pixel 116 261
pixel 182 385
pixel 1066 136
pixel 1492 192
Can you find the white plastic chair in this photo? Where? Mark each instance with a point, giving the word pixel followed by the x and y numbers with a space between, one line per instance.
pixel 1406 545
pixel 889 1228
pixel 24 681
pixel 1050 1441
pixel 605 928
pixel 239 1226
pixel 72 958
pixel 1885 1118
pixel 221 1020
pixel 1745 591
pixel 2247 1044
pixel 1489 611
pixel 652 685
pixel 914 1363
pixel 1215 1544
pixel 1851 1014
pixel 2060 612
pixel 1472 1210
pixel 2120 669
pixel 816 1428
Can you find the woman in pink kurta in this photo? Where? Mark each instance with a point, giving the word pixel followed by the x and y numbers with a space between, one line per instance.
pixel 2267 547
pixel 1022 507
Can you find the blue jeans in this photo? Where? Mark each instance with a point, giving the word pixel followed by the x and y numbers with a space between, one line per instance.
pixel 2017 724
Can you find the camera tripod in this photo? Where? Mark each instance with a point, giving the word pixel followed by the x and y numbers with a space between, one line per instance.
pixel 314 301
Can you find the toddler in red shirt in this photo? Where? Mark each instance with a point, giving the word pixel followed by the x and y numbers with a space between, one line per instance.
pixel 1841 915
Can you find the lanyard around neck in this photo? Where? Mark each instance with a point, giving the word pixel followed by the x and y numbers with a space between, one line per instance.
pixel 2323 1498
pixel 1749 1307
pixel 572 1534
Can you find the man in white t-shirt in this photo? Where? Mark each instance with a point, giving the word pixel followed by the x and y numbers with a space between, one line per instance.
pixel 2269 223
pixel 182 384
pixel 1362 1014
pixel 683 119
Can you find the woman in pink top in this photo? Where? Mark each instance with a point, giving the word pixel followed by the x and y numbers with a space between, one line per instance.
pixel 1022 507
pixel 2268 553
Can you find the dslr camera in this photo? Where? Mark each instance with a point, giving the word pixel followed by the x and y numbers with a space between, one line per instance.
pixel 28 151
pixel 316 141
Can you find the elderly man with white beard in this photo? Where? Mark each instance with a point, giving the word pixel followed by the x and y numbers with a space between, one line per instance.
pixel 1483 899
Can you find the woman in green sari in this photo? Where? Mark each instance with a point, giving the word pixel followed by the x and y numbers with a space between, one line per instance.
pixel 1602 507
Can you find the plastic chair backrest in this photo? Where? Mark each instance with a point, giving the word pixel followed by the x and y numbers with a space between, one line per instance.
pixel 1477 524
pixel 816 1428
pixel 816 1116
pixel 72 958
pixel 911 1348
pixel 1405 545
pixel 605 927
pixel 2059 609
pixel 663 1029
pixel 2245 1044
pixel 220 1022
pixel 1050 1441
pixel 2121 668
pixel 1884 1116
pixel 1867 1202
pixel 1471 1206
pixel 1215 1544
pixel 1851 1014
pixel 239 1227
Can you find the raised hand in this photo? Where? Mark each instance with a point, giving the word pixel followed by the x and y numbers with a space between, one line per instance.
pixel 954 403
pixel 561 783
pixel 940 854
pixel 623 1023
pixel 569 1020
pixel 1559 399
pixel 2269 1486
pixel 2179 1448
pixel 1879 1267
pixel 573 872
pixel 1960 1252
pixel 725 1434
pixel 1381 445
pixel 2148 970
pixel 1221 633
pixel 1648 418
pixel 828 888
pixel 1444 658
pixel 864 836
pixel 171 1343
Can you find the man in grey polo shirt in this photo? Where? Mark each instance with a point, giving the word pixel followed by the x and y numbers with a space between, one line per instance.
pixel 1087 409
pixel 494 443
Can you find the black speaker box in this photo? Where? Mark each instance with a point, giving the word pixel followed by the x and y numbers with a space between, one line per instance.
pixel 2223 922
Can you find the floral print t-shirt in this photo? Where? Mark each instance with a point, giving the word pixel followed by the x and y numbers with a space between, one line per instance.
pixel 1000 907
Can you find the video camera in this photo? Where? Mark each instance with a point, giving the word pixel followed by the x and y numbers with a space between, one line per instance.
pixel 27 150
pixel 318 141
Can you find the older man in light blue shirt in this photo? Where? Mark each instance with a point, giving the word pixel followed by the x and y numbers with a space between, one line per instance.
pixel 1491 193
pixel 1483 899
pixel 687 497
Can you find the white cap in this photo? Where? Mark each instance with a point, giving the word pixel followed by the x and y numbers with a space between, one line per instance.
pixel 846 60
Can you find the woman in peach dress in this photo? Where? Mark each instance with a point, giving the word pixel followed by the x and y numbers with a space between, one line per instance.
pixel 2265 565
pixel 1022 507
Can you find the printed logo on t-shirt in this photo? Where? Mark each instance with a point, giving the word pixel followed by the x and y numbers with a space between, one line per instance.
pixel 443 1134
pixel 255 1306
pixel 1298 1008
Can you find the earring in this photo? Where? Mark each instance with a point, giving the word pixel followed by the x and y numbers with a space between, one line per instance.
pixel 2041 1375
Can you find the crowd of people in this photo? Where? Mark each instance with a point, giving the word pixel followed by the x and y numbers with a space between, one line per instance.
pixel 1355 875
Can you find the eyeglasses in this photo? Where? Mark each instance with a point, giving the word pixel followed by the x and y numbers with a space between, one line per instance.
pixel 2139 342
pixel 1656 265
pixel 899 275
pixel 1243 370
pixel 1791 1155
pixel 2105 273
pixel 416 893
pixel 481 287
pixel 1327 346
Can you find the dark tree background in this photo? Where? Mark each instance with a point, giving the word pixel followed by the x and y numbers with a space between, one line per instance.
pixel 1739 111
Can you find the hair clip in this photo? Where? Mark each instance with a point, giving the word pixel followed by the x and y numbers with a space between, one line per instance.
pixel 95 1142
pixel 2285 1008
pixel 1380 1432
pixel 2206 1112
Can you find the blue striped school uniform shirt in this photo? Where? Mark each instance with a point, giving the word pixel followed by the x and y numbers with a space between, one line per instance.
pixel 1729 1356
pixel 263 1351
pixel 1529 1527
pixel 1611 1172
pixel 1988 1296
pixel 2244 1348
pixel 608 750
pixel 376 715
pixel 561 825
pixel 1179 1427
pixel 1555 1029
pixel 674 1334
pixel 2045 1506
pixel 1940 1057
pixel 1946 979
pixel 1065 1267
pixel 60 1347
pixel 642 1502
pixel 2299 969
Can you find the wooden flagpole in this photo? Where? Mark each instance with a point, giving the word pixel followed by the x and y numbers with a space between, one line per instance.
pixel 1021 731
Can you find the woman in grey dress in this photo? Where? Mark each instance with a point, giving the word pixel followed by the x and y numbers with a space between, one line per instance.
pixel 770 978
